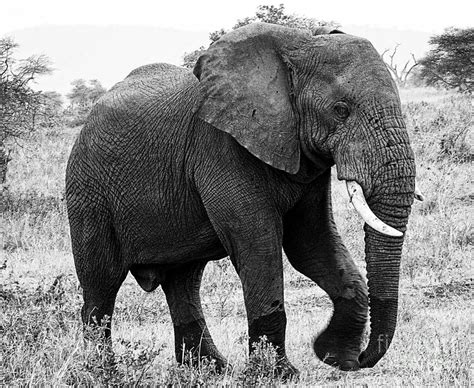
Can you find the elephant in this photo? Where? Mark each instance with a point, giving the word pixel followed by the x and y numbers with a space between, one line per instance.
pixel 175 168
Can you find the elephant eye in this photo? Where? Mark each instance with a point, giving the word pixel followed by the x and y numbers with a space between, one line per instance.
pixel 341 110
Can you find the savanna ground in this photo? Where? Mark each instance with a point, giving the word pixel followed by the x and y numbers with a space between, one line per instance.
pixel 40 299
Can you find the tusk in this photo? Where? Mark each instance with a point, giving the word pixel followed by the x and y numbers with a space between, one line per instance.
pixel 418 195
pixel 357 198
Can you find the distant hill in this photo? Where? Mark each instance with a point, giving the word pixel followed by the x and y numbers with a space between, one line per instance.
pixel 109 53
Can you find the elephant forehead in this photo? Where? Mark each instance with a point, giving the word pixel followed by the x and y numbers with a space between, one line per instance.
pixel 349 65
pixel 360 80
pixel 341 52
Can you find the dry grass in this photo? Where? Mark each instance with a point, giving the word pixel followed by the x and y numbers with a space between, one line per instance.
pixel 40 332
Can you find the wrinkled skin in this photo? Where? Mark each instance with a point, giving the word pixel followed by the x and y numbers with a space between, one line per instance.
pixel 174 169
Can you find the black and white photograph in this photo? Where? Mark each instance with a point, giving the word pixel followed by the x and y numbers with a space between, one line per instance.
pixel 236 194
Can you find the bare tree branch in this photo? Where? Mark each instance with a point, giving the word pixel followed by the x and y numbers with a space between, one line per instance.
pixel 415 64
pixel 400 76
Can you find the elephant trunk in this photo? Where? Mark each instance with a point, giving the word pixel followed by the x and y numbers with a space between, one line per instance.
pixel 391 202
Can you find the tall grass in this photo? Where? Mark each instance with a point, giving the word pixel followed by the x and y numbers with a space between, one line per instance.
pixel 40 299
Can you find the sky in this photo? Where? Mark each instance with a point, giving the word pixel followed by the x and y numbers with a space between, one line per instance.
pixel 106 39
pixel 423 15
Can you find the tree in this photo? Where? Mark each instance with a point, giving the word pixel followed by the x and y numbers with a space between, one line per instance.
pixel 266 14
pixel 51 111
pixel 20 105
pixel 82 97
pixel 400 75
pixel 450 62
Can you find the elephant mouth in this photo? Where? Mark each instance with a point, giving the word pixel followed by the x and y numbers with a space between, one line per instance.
pixel 357 199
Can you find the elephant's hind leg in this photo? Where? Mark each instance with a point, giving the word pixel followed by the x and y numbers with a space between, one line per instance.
pixel 99 268
pixel 192 337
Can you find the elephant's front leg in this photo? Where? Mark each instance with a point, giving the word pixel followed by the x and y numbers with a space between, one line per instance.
pixel 192 337
pixel 315 249
pixel 258 262
pixel 262 282
pixel 253 242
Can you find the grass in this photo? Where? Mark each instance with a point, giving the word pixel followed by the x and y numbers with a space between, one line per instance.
pixel 40 331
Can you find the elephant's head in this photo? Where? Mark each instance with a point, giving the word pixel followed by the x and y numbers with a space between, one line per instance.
pixel 282 93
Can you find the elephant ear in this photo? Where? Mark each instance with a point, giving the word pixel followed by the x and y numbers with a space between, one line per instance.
pixel 245 89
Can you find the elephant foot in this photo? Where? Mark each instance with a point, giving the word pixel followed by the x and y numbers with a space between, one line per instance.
pixel 221 365
pixel 100 359
pixel 331 351
pixel 340 343
pixel 203 357
pixel 285 370
pixel 194 347
pixel 98 347
pixel 198 360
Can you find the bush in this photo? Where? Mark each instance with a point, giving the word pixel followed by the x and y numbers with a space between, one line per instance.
pixel 441 131
pixel 261 365
pixel 34 220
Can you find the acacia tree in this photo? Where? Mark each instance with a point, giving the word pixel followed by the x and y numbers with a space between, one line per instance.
pixel 20 105
pixel 82 97
pixel 450 62
pixel 266 14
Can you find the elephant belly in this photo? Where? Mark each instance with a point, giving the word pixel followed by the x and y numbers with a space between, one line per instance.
pixel 171 244
pixel 152 265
